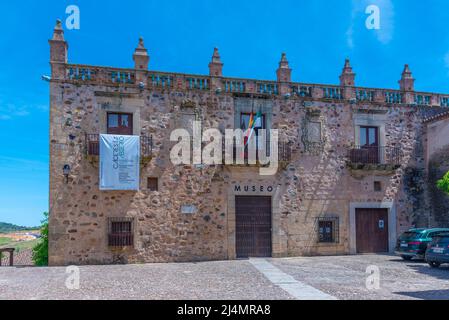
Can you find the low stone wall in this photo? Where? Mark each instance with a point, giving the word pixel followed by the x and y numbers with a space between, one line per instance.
pixel 21 258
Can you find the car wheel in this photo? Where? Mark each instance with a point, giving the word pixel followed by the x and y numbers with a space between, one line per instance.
pixel 434 264
pixel 407 258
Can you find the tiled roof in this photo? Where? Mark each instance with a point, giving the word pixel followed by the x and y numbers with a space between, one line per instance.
pixel 436 117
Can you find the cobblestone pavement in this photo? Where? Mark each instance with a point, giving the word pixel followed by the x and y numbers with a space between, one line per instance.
pixel 345 277
pixel 342 277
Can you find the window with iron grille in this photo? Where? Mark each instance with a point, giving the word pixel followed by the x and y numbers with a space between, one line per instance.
pixel 328 230
pixel 121 232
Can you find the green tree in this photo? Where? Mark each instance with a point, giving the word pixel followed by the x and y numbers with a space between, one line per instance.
pixel 40 251
pixel 443 184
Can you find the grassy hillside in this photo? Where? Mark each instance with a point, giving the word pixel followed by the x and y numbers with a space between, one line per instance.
pixel 8 227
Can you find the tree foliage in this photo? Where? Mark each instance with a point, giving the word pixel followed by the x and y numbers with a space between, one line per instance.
pixel 40 251
pixel 443 184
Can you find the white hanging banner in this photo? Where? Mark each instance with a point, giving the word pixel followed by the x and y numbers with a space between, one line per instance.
pixel 119 162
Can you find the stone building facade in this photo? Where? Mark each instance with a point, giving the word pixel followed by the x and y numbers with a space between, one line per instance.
pixel 352 172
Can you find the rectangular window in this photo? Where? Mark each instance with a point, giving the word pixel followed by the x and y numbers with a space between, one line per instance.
pixel 369 137
pixel 120 123
pixel 152 184
pixel 245 118
pixel 121 232
pixel 377 186
pixel 328 230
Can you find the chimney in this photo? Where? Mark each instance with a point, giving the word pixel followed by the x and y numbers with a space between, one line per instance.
pixel 141 57
pixel 215 66
pixel 284 73
pixel 347 77
pixel 58 52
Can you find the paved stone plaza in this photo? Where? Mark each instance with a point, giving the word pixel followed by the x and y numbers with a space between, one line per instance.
pixel 341 277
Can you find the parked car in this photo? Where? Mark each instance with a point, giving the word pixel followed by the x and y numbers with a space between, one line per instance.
pixel 413 243
pixel 438 250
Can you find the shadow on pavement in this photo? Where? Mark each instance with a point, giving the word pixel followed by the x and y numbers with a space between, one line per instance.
pixel 440 273
pixel 427 295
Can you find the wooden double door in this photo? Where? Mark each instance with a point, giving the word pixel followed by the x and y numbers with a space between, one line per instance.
pixel 372 230
pixel 253 226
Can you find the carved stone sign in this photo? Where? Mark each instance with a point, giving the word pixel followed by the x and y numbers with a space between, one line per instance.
pixel 253 188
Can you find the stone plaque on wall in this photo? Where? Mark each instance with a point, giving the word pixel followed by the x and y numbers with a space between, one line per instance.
pixel 314 132
pixel 188 209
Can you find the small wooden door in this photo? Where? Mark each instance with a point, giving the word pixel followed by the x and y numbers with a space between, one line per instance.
pixel 120 123
pixel 372 230
pixel 253 226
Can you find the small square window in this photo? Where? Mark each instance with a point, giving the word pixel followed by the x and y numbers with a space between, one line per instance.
pixel 377 186
pixel 121 233
pixel 328 230
pixel 153 184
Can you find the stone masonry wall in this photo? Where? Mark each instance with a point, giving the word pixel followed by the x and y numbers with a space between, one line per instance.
pixel 315 183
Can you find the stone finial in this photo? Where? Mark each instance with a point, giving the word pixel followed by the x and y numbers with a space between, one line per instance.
pixel 58 49
pixel 407 82
pixel 347 77
pixel 284 73
pixel 58 32
pixel 216 66
pixel 140 56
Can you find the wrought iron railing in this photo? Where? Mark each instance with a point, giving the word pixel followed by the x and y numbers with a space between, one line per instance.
pixel 284 153
pixel 375 155
pixel 93 145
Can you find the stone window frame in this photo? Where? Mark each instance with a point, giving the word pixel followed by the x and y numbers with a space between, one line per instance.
pixel 335 232
pixel 115 104
pixel 371 120
pixel 248 105
pixel 111 221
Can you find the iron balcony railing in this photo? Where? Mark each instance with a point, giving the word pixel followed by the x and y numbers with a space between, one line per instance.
pixel 284 153
pixel 93 145
pixel 375 155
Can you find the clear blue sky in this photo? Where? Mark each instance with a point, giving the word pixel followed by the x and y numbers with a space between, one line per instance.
pixel 316 35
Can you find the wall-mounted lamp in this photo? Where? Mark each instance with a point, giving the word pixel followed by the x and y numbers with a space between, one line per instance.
pixel 46 78
pixel 66 171
pixel 218 90
pixel 141 85
pixel 287 96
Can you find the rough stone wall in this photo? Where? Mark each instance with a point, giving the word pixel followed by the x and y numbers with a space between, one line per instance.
pixel 316 183
pixel 436 136
pixel 438 167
